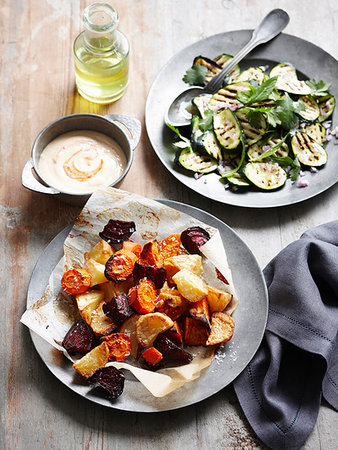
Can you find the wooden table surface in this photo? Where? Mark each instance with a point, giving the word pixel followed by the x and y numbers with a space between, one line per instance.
pixel 37 87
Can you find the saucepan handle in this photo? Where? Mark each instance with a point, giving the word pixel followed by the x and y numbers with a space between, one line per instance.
pixel 30 182
pixel 132 124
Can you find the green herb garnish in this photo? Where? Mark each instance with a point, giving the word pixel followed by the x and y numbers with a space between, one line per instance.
pixel 195 76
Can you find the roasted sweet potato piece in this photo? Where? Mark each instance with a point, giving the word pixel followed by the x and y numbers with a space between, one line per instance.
pixel 152 356
pixel 80 338
pixel 200 311
pixel 171 303
pixel 150 254
pixel 218 300
pixel 132 247
pixel 195 333
pixel 120 266
pixel 170 350
pixel 175 333
pixel 75 281
pixel 170 246
pixel 110 379
pixel 156 274
pixel 119 346
pixel 93 360
pixel 142 297
pixel 222 328
pixel 118 309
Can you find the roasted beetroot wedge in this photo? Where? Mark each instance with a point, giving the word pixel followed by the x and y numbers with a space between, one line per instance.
pixel 118 309
pixel 80 338
pixel 157 275
pixel 117 231
pixel 110 379
pixel 193 238
pixel 170 350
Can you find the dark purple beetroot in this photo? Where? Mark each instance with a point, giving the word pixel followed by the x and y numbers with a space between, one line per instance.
pixel 170 350
pixel 157 275
pixel 117 231
pixel 118 309
pixel 80 338
pixel 193 238
pixel 110 379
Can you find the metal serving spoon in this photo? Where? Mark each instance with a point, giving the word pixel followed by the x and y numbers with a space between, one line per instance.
pixel 178 113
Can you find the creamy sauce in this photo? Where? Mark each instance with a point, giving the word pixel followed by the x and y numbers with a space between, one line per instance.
pixel 81 161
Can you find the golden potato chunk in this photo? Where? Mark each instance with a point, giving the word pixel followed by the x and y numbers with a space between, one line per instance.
pixel 96 270
pixel 129 329
pixel 150 325
pixel 191 286
pixel 100 253
pixel 93 360
pixel 100 323
pixel 89 299
pixel 193 263
pixel 218 300
pixel 222 328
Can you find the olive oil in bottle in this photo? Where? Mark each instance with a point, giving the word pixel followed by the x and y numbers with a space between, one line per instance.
pixel 101 55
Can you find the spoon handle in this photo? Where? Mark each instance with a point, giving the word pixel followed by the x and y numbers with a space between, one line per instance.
pixel 270 27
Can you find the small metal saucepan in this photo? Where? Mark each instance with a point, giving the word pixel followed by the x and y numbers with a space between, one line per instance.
pixel 109 125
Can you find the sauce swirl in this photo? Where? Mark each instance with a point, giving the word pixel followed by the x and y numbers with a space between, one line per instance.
pixel 81 161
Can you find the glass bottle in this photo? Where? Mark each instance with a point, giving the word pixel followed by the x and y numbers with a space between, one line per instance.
pixel 101 55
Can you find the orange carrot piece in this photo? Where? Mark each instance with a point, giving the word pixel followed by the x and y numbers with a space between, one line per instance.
pixel 132 247
pixel 142 297
pixel 200 311
pixel 75 281
pixel 152 356
pixel 120 266
pixel 170 246
pixel 150 254
pixel 119 346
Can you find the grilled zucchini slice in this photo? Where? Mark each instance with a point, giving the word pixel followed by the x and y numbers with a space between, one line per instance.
pixel 251 133
pixel 288 81
pixel 222 61
pixel 259 148
pixel 195 131
pixel 307 150
pixel 253 73
pixel 311 111
pixel 326 105
pixel 227 129
pixel 238 181
pixel 195 162
pixel 211 65
pixel 208 144
pixel 265 175
pixel 227 95
pixel 317 131
pixel 201 102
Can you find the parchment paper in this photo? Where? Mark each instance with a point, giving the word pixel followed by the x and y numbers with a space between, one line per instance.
pixel 53 314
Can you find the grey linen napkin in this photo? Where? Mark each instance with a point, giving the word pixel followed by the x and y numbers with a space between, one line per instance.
pixel 297 362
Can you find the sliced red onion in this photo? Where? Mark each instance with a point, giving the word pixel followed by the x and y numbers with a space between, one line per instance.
pixel 314 170
pixel 197 175
pixel 302 183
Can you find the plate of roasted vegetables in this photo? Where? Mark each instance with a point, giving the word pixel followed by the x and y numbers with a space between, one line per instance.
pixel 150 305
pixel 267 137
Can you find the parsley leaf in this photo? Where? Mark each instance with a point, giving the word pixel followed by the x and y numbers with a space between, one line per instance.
pixel 258 94
pixel 287 161
pixel 318 89
pixel 206 124
pixel 195 76
pixel 295 169
pixel 254 116
pixel 271 150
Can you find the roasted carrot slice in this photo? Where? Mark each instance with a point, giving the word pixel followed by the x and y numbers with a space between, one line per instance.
pixel 75 281
pixel 132 247
pixel 119 346
pixel 152 356
pixel 143 297
pixel 120 266
pixel 170 246
pixel 150 255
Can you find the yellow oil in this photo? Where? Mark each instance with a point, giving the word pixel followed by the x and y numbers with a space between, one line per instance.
pixel 100 76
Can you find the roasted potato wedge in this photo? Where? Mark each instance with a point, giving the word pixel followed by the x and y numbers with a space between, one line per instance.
pixel 93 360
pixel 222 328
pixel 100 253
pixel 193 263
pixel 190 285
pixel 96 270
pixel 149 326
pixel 218 300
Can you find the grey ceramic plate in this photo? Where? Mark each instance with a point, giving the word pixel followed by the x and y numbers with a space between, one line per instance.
pixel 310 61
pixel 250 319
